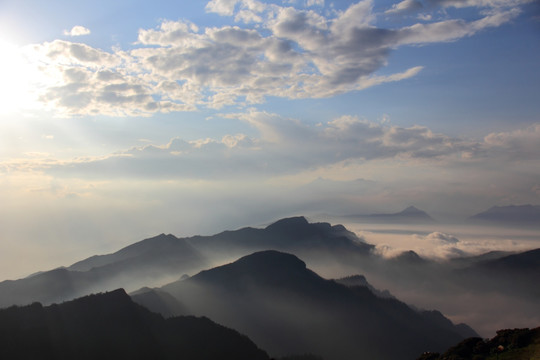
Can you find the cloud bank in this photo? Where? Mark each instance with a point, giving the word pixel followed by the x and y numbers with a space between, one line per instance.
pixel 288 147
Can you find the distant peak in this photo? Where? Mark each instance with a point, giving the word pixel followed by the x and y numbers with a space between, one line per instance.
pixel 118 296
pixel 272 258
pixel 269 264
pixel 412 210
pixel 289 224
pixel 296 220
pixel 410 257
pixel 164 236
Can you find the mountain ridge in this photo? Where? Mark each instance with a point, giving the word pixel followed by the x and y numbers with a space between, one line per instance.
pixel 411 215
pixel 276 300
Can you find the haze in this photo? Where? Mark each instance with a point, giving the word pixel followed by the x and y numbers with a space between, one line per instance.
pixel 122 120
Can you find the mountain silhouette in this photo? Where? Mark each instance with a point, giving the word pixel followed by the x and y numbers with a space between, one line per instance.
pixel 330 249
pixel 519 215
pixel 410 215
pixel 295 235
pixel 112 326
pixel 164 258
pixel 286 308
pixel 167 248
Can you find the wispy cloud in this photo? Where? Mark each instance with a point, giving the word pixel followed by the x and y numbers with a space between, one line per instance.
pixel 405 6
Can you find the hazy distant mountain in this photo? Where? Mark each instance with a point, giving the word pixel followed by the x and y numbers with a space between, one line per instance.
pixel 528 215
pixel 409 258
pixel 160 259
pixel 286 308
pixel 410 215
pixel 164 258
pixel 162 250
pixel 46 287
pixel 465 261
pixel 159 301
pixel 332 250
pixel 112 326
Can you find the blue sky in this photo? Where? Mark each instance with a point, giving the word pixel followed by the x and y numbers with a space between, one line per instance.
pixel 120 120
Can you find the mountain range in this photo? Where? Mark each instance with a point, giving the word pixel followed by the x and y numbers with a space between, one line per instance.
pixel 293 305
pixel 165 258
pixel 286 308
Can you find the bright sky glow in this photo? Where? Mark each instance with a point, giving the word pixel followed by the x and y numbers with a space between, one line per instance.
pixel 120 120
pixel 16 75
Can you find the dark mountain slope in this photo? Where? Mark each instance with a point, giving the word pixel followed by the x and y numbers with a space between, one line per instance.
pixel 111 326
pixel 287 308
pixel 527 262
pixel 516 273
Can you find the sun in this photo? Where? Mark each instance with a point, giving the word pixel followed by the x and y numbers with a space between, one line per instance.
pixel 16 77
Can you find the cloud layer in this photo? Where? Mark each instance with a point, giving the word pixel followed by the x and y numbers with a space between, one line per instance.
pixel 287 147
pixel 278 51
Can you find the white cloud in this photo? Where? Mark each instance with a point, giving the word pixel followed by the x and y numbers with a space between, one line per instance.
pixel 77 31
pixel 222 7
pixel 290 53
pixel 442 238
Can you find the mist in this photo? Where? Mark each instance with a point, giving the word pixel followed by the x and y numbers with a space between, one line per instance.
pixel 438 280
pixel 436 266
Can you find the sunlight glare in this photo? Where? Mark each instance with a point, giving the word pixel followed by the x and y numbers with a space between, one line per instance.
pixel 16 74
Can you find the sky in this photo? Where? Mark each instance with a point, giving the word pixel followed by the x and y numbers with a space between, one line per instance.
pixel 122 120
